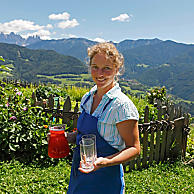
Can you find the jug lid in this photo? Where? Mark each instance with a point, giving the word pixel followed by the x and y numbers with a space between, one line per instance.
pixel 57 127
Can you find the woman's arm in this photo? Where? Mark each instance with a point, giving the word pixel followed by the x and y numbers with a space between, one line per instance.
pixel 129 132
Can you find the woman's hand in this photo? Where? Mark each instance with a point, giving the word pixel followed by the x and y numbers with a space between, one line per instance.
pixel 99 163
pixel 71 137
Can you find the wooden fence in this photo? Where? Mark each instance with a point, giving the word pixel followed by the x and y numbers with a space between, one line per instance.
pixel 160 140
pixel 53 107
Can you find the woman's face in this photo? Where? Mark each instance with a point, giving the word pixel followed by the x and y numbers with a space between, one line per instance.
pixel 103 72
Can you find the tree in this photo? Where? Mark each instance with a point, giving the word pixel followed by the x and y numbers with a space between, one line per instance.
pixel 4 69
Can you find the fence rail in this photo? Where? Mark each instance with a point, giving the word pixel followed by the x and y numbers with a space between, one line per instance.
pixel 160 140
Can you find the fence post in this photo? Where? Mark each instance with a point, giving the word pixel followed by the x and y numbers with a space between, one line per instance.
pixel 179 126
pixel 157 147
pixel 51 102
pixel 151 155
pixel 66 108
pixel 172 112
pixel 146 126
pixel 75 116
pixel 58 111
pixel 164 138
pixel 159 107
pixel 146 115
pixel 33 99
pixel 145 144
pixel 169 138
pixel 185 133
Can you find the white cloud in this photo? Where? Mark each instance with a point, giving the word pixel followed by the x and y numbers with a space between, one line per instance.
pixel 19 26
pixel 60 16
pixel 49 26
pixel 122 18
pixel 26 28
pixel 68 24
pixel 99 40
pixel 70 36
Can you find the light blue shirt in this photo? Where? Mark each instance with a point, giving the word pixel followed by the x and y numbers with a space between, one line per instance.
pixel 120 108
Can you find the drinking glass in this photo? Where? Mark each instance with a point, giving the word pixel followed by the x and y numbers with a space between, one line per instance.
pixel 92 136
pixel 87 154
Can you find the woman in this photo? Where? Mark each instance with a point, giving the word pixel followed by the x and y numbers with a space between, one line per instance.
pixel 112 117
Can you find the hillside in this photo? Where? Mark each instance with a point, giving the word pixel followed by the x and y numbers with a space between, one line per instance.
pixel 150 61
pixel 167 63
pixel 29 63
pixel 76 47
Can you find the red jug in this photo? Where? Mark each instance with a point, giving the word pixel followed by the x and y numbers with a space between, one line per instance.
pixel 58 145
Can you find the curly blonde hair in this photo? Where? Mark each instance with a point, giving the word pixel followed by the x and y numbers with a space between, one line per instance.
pixel 111 53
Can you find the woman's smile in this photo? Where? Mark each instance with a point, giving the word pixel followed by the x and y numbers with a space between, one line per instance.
pixel 103 72
pixel 100 79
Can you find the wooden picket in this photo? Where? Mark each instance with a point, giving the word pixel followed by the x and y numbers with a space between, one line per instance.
pixel 54 108
pixel 160 140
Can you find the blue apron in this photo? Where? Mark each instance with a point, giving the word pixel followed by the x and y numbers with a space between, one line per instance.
pixel 107 180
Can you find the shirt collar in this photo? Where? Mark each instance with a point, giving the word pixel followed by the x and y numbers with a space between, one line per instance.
pixel 93 90
pixel 112 93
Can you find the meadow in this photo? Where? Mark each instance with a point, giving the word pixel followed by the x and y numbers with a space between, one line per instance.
pixel 16 177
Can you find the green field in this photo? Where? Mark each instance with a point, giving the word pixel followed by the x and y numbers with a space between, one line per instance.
pixel 69 79
pixel 163 178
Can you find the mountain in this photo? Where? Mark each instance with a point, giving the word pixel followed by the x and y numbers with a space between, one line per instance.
pixel 166 63
pixel 150 61
pixel 29 63
pixel 155 54
pixel 76 47
pixel 130 44
pixel 13 38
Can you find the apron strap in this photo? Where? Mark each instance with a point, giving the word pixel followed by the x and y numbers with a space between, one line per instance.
pixel 107 105
pixel 82 106
pixel 110 100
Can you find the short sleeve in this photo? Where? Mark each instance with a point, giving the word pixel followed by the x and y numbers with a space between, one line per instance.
pixel 126 111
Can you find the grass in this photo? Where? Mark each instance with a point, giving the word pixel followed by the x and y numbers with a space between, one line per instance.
pixel 192 130
pixel 74 78
pixel 81 78
pixel 163 178
pixel 18 178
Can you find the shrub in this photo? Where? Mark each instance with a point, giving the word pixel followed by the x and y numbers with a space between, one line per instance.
pixel 43 92
pixel 22 132
pixel 141 105
pixel 76 93
pixel 156 93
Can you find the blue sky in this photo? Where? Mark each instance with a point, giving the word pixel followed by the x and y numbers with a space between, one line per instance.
pixel 110 20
